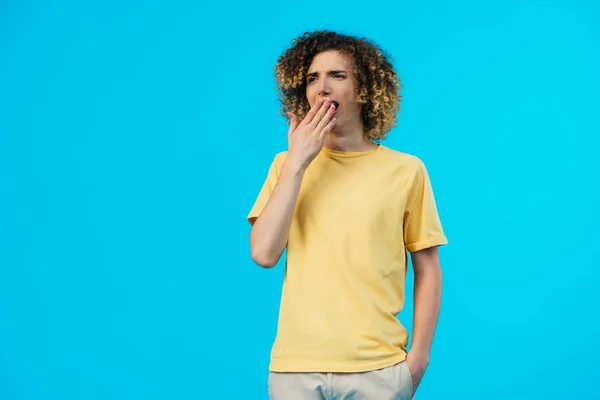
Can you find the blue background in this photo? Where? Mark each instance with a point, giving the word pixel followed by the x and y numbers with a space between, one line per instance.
pixel 135 136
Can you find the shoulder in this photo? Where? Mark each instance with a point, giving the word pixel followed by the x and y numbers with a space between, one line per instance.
pixel 280 156
pixel 279 159
pixel 408 163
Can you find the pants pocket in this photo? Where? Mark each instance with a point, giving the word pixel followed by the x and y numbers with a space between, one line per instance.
pixel 405 385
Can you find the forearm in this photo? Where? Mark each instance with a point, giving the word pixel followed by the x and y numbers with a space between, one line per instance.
pixel 270 231
pixel 427 300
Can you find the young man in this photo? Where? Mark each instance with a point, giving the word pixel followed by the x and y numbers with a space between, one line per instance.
pixel 348 211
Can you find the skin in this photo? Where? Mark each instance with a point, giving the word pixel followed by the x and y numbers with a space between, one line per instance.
pixel 427 301
pixel 330 77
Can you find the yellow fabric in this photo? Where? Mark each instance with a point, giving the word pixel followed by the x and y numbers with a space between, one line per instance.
pixel 357 216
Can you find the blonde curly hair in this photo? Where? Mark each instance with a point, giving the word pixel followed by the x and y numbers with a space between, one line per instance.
pixel 377 84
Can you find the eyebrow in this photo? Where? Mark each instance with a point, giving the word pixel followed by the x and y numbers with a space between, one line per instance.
pixel 333 72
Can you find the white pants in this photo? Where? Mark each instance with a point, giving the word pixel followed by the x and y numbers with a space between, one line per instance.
pixel 391 383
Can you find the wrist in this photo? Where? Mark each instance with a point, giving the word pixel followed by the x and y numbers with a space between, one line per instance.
pixel 422 352
pixel 293 167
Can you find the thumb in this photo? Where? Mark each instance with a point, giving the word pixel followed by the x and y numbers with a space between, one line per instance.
pixel 293 122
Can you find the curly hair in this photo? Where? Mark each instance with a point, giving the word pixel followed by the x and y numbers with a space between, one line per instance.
pixel 377 84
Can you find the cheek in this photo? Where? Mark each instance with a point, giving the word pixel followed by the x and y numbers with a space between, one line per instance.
pixel 350 98
pixel 349 93
pixel 309 97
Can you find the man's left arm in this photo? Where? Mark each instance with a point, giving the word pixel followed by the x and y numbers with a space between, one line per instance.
pixel 427 300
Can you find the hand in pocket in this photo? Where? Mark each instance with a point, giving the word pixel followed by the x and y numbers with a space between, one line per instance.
pixel 417 365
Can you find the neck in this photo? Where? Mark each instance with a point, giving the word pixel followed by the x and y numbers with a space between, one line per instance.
pixel 349 138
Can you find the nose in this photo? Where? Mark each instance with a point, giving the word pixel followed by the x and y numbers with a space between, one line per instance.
pixel 323 89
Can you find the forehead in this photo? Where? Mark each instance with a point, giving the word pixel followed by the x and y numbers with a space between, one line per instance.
pixel 330 60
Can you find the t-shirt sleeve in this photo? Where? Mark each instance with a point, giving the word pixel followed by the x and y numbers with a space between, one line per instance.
pixel 266 190
pixel 422 226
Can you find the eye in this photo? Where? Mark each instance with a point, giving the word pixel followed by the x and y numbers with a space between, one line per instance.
pixel 311 79
pixel 338 76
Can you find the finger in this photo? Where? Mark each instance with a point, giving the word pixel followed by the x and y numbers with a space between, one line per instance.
pixel 325 131
pixel 319 116
pixel 325 120
pixel 313 111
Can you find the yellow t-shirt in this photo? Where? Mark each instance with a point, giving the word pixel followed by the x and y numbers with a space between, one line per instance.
pixel 357 216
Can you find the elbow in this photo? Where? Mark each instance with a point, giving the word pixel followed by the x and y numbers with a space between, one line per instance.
pixel 261 251
pixel 262 259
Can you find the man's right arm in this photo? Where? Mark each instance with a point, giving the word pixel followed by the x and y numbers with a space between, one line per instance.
pixel 270 231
